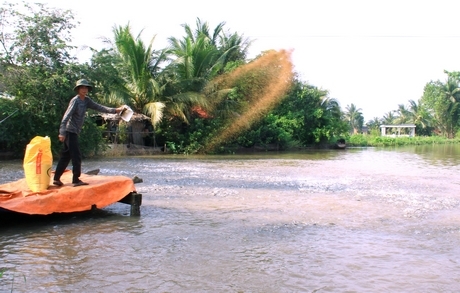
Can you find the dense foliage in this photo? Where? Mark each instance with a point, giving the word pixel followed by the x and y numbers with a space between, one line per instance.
pixel 360 140
pixel 36 69
pixel 188 89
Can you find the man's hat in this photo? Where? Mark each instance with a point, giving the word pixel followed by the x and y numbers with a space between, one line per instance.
pixel 83 82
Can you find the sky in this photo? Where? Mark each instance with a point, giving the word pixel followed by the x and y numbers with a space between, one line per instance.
pixel 375 54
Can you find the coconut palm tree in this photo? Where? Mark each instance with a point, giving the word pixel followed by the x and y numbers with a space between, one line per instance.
pixel 196 54
pixel 374 124
pixel 354 117
pixel 144 79
pixel 420 116
pixel 402 115
pixel 331 106
pixel 389 118
pixel 139 65
pixel 198 58
pixel 451 95
pixel 189 75
pixel 332 115
pixel 235 46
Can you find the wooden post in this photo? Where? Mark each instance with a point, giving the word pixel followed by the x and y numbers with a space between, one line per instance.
pixel 135 200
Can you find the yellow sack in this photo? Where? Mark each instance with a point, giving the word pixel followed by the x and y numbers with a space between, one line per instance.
pixel 38 162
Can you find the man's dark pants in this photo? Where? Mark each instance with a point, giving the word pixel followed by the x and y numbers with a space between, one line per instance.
pixel 70 151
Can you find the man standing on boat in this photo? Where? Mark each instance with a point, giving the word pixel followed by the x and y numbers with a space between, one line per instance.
pixel 70 128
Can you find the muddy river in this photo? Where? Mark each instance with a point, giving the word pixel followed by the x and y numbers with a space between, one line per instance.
pixel 354 220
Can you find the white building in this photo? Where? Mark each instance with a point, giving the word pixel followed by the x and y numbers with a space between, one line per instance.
pixel 395 130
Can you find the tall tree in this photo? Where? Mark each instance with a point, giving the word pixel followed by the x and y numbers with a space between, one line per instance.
pixel 444 99
pixel 420 116
pixel 374 125
pixel 402 115
pixel 451 94
pixel 389 118
pixel 36 68
pixel 330 115
pixel 354 117
pixel 140 63
pixel 35 57
pixel 234 46
pixel 310 116
pixel 198 57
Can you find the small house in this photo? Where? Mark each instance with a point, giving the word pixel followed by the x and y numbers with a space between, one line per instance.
pixel 136 131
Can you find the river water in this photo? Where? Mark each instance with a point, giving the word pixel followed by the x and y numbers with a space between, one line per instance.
pixel 354 220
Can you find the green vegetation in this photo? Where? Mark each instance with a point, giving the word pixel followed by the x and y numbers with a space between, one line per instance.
pixel 360 140
pixel 194 91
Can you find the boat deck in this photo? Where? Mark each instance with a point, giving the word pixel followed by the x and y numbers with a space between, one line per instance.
pixel 101 192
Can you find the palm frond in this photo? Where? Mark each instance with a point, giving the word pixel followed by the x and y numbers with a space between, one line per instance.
pixel 155 111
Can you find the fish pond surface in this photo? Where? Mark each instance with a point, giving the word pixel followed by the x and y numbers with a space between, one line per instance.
pixel 354 220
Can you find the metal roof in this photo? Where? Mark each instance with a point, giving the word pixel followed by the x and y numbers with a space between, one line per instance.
pixel 398 125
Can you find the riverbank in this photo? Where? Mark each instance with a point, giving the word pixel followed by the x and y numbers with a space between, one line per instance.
pixel 357 140
pixel 119 150
pixel 6 156
pixel 360 140
pixel 112 150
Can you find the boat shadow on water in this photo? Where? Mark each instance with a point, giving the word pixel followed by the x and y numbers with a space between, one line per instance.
pixel 15 220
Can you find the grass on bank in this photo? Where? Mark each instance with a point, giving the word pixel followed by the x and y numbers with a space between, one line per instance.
pixel 356 140
pixel 360 140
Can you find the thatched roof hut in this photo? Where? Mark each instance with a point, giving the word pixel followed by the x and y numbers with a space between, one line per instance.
pixel 137 128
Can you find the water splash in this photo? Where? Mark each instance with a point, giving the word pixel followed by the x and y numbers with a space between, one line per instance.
pixel 267 80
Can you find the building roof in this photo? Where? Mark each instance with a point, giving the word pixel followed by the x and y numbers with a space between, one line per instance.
pixel 398 125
